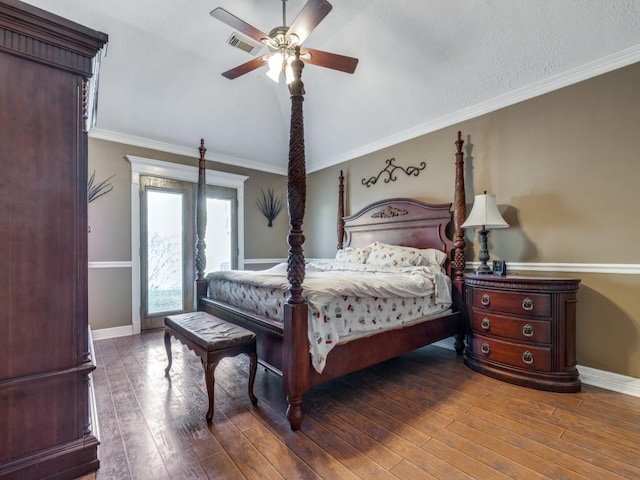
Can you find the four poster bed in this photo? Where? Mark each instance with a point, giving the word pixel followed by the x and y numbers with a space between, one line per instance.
pixel 287 333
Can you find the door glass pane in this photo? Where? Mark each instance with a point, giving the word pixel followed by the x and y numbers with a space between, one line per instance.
pixel 164 251
pixel 218 236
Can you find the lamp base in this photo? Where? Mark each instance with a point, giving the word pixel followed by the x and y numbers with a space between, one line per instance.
pixel 483 254
pixel 484 269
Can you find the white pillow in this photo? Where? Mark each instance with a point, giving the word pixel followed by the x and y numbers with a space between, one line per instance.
pixel 353 255
pixel 433 256
pixel 385 255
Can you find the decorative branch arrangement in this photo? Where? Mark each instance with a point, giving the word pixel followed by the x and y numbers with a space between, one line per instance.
pixel 98 190
pixel 389 169
pixel 270 205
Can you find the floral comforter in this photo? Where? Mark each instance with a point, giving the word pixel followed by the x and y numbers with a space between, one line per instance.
pixel 346 301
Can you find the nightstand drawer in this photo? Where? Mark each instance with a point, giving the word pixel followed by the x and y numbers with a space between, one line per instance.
pixel 524 330
pixel 517 355
pixel 522 303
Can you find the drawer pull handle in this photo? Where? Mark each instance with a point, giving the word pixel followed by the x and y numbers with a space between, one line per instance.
pixel 527 330
pixel 527 304
pixel 485 300
pixel 485 323
pixel 485 347
pixel 527 357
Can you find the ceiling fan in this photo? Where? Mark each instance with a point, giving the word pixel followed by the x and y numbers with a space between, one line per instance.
pixel 282 41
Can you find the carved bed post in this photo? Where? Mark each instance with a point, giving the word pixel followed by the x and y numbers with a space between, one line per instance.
pixel 460 214
pixel 296 344
pixel 201 227
pixel 340 210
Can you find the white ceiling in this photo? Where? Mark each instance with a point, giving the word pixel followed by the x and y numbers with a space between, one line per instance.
pixel 424 65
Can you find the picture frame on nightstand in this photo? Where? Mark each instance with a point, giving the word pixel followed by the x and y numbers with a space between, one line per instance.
pixel 499 267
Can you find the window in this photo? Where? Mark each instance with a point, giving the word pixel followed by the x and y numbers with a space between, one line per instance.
pixel 163 231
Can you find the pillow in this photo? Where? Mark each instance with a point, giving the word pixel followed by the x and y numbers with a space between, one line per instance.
pixel 433 256
pixel 385 255
pixel 353 255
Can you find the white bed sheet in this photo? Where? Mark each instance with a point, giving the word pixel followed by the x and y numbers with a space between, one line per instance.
pixel 345 301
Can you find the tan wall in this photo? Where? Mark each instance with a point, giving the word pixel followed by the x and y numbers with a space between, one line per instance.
pixel 565 169
pixel 110 221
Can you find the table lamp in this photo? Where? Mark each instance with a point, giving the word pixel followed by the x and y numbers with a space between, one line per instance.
pixel 484 215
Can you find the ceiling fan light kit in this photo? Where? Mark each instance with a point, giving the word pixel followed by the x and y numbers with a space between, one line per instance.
pixel 283 40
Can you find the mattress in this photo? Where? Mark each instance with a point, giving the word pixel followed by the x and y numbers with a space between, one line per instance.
pixel 345 302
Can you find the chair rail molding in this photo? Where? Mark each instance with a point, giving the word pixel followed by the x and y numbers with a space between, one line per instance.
pixel 111 264
pixel 615 268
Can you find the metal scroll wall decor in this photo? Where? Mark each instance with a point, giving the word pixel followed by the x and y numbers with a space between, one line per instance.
pixel 390 169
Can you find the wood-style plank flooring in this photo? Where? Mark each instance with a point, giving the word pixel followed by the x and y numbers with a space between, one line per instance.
pixel 420 416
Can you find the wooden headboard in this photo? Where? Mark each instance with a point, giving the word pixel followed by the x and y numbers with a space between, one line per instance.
pixel 411 223
pixel 400 221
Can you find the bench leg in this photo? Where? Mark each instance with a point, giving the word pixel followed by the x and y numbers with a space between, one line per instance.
pixel 253 366
pixel 210 380
pixel 167 346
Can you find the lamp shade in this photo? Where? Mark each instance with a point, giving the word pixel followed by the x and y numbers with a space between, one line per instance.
pixel 485 213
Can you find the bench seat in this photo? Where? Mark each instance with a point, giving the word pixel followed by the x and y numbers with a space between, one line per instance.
pixel 212 339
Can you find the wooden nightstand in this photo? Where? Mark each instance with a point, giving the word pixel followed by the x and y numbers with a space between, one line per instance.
pixel 523 330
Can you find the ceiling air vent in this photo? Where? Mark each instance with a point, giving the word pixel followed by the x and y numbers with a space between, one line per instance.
pixel 245 44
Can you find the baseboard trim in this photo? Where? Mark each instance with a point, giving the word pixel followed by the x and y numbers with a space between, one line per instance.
pixel 610 381
pixel 589 376
pixel 114 332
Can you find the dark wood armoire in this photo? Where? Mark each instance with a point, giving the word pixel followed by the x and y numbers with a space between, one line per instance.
pixel 47 429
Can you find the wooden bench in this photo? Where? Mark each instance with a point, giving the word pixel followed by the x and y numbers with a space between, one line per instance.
pixel 212 339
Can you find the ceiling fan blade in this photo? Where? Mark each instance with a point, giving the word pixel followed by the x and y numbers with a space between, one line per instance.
pixel 329 60
pixel 240 25
pixel 245 67
pixel 309 17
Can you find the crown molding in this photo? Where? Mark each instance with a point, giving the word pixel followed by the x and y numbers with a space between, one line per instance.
pixel 589 70
pixel 125 139
pixel 603 65
pixel 606 64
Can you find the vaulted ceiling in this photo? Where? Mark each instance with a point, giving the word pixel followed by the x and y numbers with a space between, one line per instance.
pixel 424 65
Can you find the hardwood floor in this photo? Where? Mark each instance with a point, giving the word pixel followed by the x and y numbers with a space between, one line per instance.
pixel 421 416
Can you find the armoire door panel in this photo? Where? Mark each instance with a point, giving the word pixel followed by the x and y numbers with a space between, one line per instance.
pixel 39 218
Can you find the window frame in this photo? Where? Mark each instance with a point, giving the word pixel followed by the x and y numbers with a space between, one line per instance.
pixel 172 171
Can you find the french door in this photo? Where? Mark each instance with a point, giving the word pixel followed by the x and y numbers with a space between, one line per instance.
pixel 167 244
